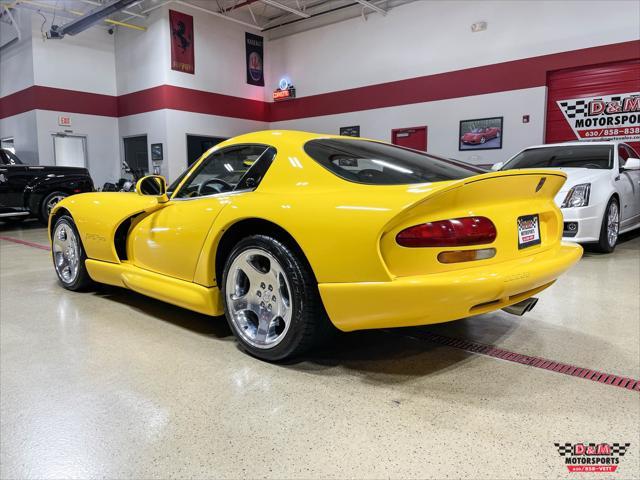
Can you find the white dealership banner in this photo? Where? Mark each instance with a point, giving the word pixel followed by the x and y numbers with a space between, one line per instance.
pixel 607 117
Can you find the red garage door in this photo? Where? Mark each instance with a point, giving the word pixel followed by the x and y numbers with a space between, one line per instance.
pixel 600 80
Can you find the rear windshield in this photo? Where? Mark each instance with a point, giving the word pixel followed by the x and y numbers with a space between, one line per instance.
pixel 372 163
pixel 574 156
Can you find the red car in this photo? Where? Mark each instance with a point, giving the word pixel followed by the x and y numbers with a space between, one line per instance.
pixel 480 135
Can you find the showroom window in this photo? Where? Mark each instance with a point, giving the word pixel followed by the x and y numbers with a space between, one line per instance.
pixel 236 168
pixel 373 163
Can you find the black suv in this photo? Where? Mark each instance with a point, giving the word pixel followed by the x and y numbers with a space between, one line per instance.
pixel 33 190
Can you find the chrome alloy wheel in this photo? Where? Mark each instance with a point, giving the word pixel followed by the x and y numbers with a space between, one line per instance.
pixel 52 202
pixel 66 252
pixel 612 224
pixel 258 298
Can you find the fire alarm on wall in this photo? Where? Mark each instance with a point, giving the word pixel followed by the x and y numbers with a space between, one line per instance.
pixel 478 26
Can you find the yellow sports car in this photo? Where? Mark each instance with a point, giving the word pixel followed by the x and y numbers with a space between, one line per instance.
pixel 288 233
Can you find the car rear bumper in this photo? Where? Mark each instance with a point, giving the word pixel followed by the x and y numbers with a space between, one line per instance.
pixel 441 297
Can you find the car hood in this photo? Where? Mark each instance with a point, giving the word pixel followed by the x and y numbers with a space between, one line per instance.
pixel 576 176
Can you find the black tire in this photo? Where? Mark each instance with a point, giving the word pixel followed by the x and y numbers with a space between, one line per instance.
pixel 82 280
pixel 309 323
pixel 43 211
pixel 604 244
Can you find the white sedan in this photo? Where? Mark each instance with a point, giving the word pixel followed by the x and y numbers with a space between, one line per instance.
pixel 601 197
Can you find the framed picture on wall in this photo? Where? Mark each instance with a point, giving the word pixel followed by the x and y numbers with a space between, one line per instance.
pixel 481 134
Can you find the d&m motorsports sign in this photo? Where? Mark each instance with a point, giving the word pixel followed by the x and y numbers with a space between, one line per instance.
pixel 608 117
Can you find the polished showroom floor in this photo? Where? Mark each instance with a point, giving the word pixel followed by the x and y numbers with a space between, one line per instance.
pixel 112 384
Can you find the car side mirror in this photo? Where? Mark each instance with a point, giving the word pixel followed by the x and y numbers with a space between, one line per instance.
pixel 497 166
pixel 632 164
pixel 153 185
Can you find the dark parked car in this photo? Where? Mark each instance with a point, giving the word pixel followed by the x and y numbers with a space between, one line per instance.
pixel 32 190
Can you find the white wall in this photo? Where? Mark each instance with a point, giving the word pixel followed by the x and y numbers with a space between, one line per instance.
pixel 428 37
pixel 142 58
pixel 16 59
pixel 83 62
pixel 219 56
pixel 16 73
pixel 102 141
pixel 442 119
pixel 183 123
pixel 23 129
pixel 143 61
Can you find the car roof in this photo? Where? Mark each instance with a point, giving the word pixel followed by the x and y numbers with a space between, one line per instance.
pixel 272 136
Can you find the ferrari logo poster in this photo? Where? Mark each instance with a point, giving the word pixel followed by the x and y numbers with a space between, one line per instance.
pixel 182 52
pixel 608 117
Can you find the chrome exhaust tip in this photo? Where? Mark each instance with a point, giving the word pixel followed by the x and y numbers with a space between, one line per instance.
pixel 522 307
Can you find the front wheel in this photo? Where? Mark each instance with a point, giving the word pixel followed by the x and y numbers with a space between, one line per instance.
pixel 47 204
pixel 271 299
pixel 68 255
pixel 609 228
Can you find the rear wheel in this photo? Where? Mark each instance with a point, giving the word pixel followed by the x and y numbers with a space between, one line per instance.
pixel 68 255
pixel 609 228
pixel 47 204
pixel 271 299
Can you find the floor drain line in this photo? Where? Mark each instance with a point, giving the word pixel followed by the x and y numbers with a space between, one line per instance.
pixel 25 242
pixel 537 362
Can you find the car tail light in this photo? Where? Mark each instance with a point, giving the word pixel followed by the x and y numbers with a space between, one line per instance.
pixel 457 232
pixel 458 256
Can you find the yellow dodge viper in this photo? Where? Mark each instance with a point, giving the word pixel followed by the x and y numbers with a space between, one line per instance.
pixel 288 233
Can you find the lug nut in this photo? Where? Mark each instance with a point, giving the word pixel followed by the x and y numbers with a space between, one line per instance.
pixel 259 293
pixel 262 285
pixel 269 307
pixel 273 299
pixel 270 288
pixel 262 304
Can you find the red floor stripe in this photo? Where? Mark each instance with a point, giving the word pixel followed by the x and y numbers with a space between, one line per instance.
pixel 537 362
pixel 25 242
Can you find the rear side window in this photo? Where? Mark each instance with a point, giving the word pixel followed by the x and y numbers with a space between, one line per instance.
pixel 564 156
pixel 373 163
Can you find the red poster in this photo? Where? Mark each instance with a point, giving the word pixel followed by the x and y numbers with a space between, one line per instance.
pixel 182 56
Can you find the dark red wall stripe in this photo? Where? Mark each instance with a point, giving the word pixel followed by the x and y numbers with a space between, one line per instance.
pixel 513 75
pixel 189 100
pixel 58 99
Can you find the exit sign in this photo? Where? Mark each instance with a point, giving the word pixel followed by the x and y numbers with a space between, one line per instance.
pixel 64 121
